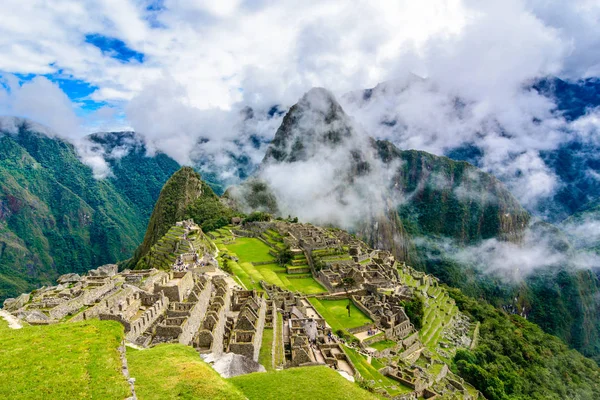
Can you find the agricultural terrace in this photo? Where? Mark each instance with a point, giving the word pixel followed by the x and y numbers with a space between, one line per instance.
pixel 256 261
pixel 174 371
pixel 439 310
pixel 370 372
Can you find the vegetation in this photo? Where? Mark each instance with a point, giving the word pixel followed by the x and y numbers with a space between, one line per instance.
pixel 258 216
pixel 265 358
pixel 414 311
pixel 336 314
pixel 284 256
pixel 305 383
pixel 174 371
pixel 515 359
pixel 370 374
pixel 256 263
pixel 63 361
pixel 55 217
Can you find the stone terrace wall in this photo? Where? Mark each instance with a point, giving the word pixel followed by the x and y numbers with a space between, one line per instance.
pixel 89 297
pixel 140 325
pixel 191 326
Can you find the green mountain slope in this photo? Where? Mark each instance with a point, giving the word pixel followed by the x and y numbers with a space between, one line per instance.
pixel 185 195
pixel 55 217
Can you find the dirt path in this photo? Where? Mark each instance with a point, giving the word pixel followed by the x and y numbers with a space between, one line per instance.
pixel 13 322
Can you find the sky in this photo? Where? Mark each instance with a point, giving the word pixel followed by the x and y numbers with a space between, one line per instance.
pixel 102 54
pixel 183 71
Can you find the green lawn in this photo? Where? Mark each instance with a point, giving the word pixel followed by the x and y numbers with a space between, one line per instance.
pixel 305 383
pixel 279 356
pixel 62 361
pixel 336 315
pixel 250 250
pixel 265 356
pixel 382 345
pixel 174 371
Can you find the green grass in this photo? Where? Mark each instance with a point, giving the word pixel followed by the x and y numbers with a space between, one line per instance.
pixel 382 345
pixel 62 361
pixel 250 250
pixel 279 356
pixel 174 371
pixel 265 356
pixel 370 373
pixel 336 315
pixel 310 383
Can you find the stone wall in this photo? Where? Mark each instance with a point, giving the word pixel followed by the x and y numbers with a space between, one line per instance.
pixel 177 288
pixel 87 298
pixel 197 313
pixel 150 316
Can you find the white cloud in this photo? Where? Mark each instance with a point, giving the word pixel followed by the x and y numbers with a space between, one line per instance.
pixel 206 60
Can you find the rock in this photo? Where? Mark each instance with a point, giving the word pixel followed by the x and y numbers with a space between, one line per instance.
pixel 105 270
pixel 229 365
pixel 68 278
pixel 14 304
pixel 32 316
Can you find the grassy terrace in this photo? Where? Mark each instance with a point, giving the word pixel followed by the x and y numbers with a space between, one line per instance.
pixel 265 356
pixel 336 315
pixel 383 344
pixel 438 313
pixel 279 356
pixel 370 373
pixel 62 361
pixel 174 371
pixel 305 383
pixel 252 250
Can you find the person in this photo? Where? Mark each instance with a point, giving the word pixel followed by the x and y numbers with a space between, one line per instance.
pixel 348 308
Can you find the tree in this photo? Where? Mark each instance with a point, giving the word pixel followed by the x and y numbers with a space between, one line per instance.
pixel 284 256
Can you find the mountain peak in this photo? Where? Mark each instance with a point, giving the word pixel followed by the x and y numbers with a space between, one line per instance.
pixel 317 122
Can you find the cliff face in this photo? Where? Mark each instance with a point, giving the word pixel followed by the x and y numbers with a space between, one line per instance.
pixel 442 197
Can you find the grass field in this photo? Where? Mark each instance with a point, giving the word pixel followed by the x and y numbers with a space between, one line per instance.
pixel 251 250
pixel 62 361
pixel 336 315
pixel 174 371
pixel 305 383
pixel 382 345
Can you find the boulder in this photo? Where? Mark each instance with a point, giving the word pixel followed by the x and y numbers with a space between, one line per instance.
pixel 32 316
pixel 229 364
pixel 105 270
pixel 14 304
pixel 68 278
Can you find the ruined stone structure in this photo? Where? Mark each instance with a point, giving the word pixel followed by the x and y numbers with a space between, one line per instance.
pixel 387 311
pixel 202 307
pixel 246 337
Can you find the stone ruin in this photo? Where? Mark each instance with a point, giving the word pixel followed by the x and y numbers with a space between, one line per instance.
pixel 205 308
